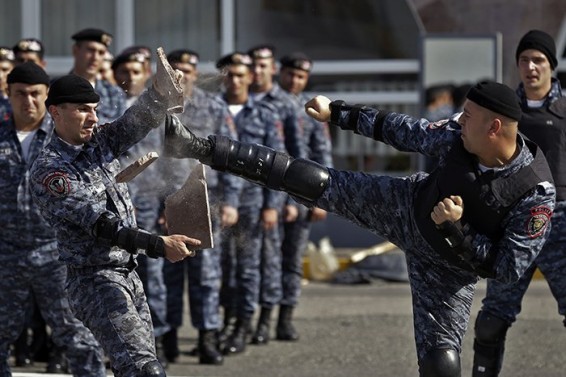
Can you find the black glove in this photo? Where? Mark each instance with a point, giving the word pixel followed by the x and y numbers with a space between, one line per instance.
pixel 180 142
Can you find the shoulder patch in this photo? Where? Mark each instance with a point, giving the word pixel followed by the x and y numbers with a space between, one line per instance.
pixel 539 220
pixel 57 184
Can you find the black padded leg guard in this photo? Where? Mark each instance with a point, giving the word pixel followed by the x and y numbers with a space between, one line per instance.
pixel 489 345
pixel 267 167
pixel 440 363
pixel 153 369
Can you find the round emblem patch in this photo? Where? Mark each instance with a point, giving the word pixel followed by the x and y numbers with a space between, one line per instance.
pixel 57 184
pixel 540 217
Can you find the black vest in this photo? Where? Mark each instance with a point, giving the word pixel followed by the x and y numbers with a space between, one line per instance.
pixel 547 128
pixel 487 199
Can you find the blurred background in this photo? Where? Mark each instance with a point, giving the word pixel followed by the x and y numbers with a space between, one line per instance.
pixel 383 53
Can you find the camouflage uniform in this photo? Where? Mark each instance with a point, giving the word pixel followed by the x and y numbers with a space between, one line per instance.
pixel 5 109
pixel 29 262
pixel 112 101
pixel 271 258
pixel 504 300
pixel 73 187
pixel 257 122
pixel 442 291
pixel 296 233
pixel 204 114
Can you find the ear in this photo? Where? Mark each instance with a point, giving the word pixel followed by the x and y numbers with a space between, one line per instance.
pixel 54 111
pixel 495 127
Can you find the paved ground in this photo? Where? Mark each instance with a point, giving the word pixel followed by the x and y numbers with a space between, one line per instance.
pixel 366 330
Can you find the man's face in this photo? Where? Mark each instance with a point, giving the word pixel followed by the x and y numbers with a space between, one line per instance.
pixel 534 69
pixel 131 77
pixel 475 122
pixel 28 101
pixel 293 80
pixel 29 56
pixel 189 75
pixel 89 56
pixel 74 122
pixel 5 69
pixel 263 71
pixel 237 80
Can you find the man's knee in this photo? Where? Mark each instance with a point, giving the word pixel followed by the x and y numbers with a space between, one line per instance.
pixel 153 369
pixel 490 329
pixel 440 363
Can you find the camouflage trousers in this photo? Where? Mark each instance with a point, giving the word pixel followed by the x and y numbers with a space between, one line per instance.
pixel 47 282
pixel 295 239
pixel 442 294
pixel 270 289
pixel 112 304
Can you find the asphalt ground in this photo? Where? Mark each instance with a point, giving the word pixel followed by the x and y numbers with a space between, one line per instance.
pixel 366 330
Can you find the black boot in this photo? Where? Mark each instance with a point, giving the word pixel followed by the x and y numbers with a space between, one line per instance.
pixel 261 335
pixel 208 348
pixel 21 350
pixel 170 345
pixel 57 361
pixel 160 352
pixel 236 342
pixel 285 328
pixel 229 325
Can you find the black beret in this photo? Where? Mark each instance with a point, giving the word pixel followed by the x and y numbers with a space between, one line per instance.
pixel 496 97
pixel 541 41
pixel 6 53
pixel 71 89
pixel 183 56
pixel 28 73
pixel 29 45
pixel 95 35
pixel 128 57
pixel 234 58
pixel 138 49
pixel 297 60
pixel 262 52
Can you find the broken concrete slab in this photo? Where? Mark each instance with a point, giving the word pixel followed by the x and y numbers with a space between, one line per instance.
pixel 188 210
pixel 135 168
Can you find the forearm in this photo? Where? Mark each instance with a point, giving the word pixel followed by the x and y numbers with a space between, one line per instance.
pixel 110 229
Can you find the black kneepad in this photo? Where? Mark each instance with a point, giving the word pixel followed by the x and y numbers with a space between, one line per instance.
pixel 440 363
pixel 153 369
pixel 490 329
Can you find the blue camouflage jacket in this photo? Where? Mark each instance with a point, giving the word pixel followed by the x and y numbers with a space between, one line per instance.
pixel 23 230
pixel 516 249
pixel 74 185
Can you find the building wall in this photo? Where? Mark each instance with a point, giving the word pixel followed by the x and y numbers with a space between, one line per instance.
pixel 512 18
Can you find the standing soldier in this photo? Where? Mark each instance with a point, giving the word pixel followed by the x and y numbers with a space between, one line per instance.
pixel 30 49
pixel 205 114
pixel 256 122
pixel 7 61
pixel 293 78
pixel 544 122
pixel 73 182
pixel 29 261
pixel 89 51
pixel 484 212
pixel 264 88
